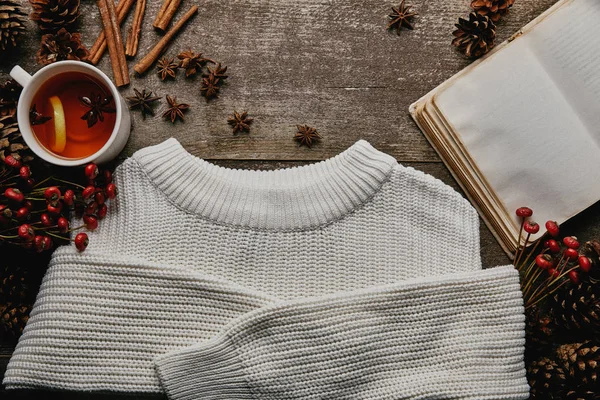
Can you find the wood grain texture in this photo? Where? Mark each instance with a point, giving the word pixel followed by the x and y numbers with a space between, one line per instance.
pixel 328 64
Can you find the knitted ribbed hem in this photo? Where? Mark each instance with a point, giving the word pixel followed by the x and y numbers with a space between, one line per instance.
pixel 212 369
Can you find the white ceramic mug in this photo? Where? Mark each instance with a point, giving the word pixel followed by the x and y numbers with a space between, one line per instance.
pixel 31 84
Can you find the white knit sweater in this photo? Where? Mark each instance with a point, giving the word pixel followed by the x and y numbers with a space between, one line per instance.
pixel 353 278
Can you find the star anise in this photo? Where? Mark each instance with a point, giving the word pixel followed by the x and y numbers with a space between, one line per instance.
pixel 210 86
pixel 142 100
pixel 167 67
pixel 98 104
pixel 240 122
pixel 36 118
pixel 306 135
pixel 401 17
pixel 218 72
pixel 192 62
pixel 175 109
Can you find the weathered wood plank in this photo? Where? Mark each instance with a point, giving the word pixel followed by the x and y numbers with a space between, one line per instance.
pixel 328 64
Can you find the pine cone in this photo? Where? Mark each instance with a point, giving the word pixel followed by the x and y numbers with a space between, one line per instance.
pixel 582 394
pixel 547 379
pixel 11 24
pixel 13 319
pixel 492 8
pixel 476 36
pixel 591 249
pixel 11 142
pixel 62 46
pixel 581 361
pixel 13 285
pixel 538 331
pixel 52 15
pixel 577 307
pixel 9 95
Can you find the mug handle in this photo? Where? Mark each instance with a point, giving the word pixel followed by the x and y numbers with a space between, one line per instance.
pixel 20 75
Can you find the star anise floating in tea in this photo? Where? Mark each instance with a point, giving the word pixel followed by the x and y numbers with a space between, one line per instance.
pixel 175 109
pixel 36 118
pixel 98 104
pixel 192 62
pixel 307 135
pixel 240 122
pixel 142 100
pixel 167 67
pixel 401 16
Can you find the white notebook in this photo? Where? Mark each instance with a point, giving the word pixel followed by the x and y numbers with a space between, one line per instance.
pixel 521 126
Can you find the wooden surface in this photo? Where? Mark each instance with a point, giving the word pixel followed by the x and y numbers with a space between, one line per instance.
pixel 329 64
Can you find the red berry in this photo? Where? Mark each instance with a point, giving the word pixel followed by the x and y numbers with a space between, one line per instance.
pixel 47 243
pixel 14 195
pixel 554 272
pixel 28 204
pixel 544 261
pixel 25 172
pixel 531 227
pixel 63 224
pixel 553 246
pixel 22 213
pixel 91 171
pixel 552 228
pixel 81 241
pixel 90 222
pixel 585 263
pixel 5 213
pixel 38 243
pixel 570 254
pixel 111 191
pixel 91 207
pixel 102 211
pixel 46 220
pixel 99 197
pixel 69 197
pixel 12 162
pixel 524 212
pixel 571 242
pixel 88 192
pixel 54 208
pixel 574 277
pixel 107 177
pixel 30 182
pixel 52 194
pixel 25 232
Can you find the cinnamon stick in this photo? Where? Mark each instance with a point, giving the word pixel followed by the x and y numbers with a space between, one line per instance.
pixel 114 41
pixel 160 47
pixel 161 13
pixel 168 14
pixel 99 47
pixel 133 38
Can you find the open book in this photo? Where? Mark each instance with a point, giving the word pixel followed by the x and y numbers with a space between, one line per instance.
pixel 521 126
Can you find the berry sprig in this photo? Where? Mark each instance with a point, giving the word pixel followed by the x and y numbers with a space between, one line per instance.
pixel 558 262
pixel 36 215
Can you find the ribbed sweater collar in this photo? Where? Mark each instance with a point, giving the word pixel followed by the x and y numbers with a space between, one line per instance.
pixel 288 199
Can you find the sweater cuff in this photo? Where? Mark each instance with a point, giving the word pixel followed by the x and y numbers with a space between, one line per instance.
pixel 212 368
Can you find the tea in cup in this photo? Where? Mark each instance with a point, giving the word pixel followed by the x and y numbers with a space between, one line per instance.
pixel 70 113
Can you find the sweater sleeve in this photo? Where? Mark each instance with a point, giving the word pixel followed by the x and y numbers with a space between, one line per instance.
pixel 454 337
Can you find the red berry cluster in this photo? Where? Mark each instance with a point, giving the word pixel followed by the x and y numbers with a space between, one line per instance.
pixel 557 262
pixel 33 215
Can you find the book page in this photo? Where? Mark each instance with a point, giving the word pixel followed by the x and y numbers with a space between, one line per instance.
pixel 568 46
pixel 530 141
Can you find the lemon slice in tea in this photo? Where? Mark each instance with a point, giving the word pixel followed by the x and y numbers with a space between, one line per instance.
pixel 59 141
